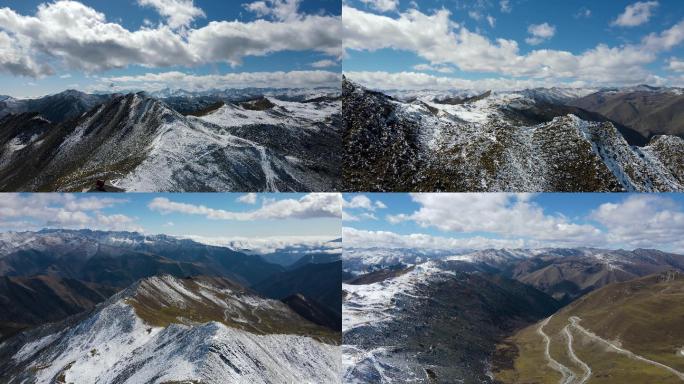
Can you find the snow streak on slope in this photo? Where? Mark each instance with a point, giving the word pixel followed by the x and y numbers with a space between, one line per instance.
pixel 215 354
pixel 370 304
pixel 140 144
pixel 124 340
pixel 200 154
pixel 85 352
pixel 496 142
pixel 194 157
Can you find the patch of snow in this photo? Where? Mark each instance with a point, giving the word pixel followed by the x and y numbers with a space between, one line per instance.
pixel 31 348
pixel 215 354
pixel 370 304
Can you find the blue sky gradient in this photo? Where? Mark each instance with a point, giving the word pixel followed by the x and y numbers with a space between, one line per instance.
pixel 576 27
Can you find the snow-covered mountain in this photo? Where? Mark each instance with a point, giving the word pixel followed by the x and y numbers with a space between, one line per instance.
pixel 55 108
pixel 242 94
pixel 165 329
pixel 429 323
pixel 563 273
pixel 440 320
pixel 139 143
pixel 556 95
pixel 120 258
pixel 505 141
pixel 364 260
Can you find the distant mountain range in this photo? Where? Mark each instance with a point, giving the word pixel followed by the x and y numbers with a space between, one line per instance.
pixel 188 142
pixel 120 258
pixel 473 316
pixel 648 110
pixel 56 108
pixel 125 307
pixel 530 141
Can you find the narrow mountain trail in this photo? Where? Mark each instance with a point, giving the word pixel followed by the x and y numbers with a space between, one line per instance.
pixel 574 322
pixel 568 376
pixel 573 356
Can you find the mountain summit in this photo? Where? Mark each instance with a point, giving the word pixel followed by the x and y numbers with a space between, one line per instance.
pixel 167 329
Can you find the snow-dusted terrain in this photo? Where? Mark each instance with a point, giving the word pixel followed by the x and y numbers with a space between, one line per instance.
pixel 365 309
pixel 139 143
pixel 364 260
pixel 497 141
pixel 439 320
pixel 370 304
pixel 165 329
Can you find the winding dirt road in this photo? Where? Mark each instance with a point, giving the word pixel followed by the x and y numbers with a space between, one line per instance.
pixel 574 322
pixel 573 356
pixel 568 376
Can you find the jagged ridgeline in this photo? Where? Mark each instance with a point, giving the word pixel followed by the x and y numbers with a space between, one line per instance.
pixel 254 140
pixel 83 306
pixel 528 141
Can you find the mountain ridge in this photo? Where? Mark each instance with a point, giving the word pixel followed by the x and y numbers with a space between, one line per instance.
pixel 140 143
pixel 485 145
pixel 133 338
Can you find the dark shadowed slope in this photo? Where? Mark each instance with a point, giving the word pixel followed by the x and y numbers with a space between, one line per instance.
pixel 651 113
pixel 319 282
pixel 31 301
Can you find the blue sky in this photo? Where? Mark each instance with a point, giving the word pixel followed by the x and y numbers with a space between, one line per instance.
pixel 581 43
pixel 508 220
pixel 215 39
pixel 210 215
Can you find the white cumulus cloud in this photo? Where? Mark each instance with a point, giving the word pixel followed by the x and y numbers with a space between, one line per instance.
pixel 37 211
pixel 73 36
pixel 190 82
pixel 438 39
pixel 540 33
pixel 248 198
pixel 382 5
pixel 310 206
pixel 635 14
pixel 178 13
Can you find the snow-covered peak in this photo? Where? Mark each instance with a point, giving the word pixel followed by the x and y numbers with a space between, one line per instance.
pixel 155 332
pixel 273 111
pixel 493 256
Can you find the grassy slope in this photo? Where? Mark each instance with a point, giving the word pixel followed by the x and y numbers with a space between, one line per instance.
pixel 643 316
pixel 276 319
